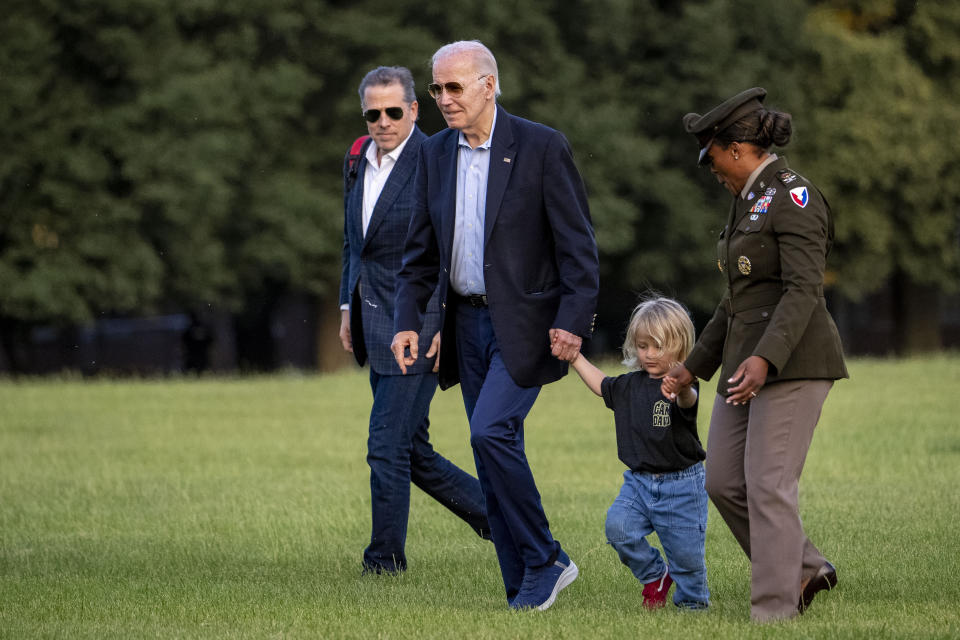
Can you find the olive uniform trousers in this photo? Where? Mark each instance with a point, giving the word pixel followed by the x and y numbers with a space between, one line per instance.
pixel 755 455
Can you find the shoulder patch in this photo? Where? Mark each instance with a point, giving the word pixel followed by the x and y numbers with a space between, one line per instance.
pixel 786 176
pixel 799 196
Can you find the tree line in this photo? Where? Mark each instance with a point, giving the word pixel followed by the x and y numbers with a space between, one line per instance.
pixel 183 154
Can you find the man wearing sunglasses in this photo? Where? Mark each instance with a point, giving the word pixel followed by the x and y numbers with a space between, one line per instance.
pixel 378 205
pixel 502 228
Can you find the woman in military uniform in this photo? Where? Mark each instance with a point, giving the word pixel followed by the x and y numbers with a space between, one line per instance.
pixel 776 345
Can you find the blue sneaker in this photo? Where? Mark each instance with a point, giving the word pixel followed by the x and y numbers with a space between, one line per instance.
pixel 540 586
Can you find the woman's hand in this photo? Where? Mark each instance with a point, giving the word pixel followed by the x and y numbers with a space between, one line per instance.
pixel 751 374
pixel 677 379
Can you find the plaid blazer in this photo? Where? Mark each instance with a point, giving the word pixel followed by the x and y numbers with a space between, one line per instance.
pixel 371 263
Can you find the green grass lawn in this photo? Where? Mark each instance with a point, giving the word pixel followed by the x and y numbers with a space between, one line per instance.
pixel 240 508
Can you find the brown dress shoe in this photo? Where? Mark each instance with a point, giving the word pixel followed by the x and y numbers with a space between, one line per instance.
pixel 825 578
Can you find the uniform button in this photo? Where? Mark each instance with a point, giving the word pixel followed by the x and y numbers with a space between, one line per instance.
pixel 764 314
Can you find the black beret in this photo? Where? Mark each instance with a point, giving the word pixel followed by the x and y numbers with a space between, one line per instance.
pixel 706 126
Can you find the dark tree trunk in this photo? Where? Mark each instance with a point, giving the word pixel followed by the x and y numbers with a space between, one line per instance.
pixel 13 335
pixel 916 314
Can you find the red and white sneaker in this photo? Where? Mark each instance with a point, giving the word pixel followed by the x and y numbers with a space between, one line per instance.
pixel 655 593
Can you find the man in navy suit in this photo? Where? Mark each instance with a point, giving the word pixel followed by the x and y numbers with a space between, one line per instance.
pixel 502 229
pixel 378 202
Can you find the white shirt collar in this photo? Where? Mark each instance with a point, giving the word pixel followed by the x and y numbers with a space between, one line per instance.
pixel 486 144
pixel 393 155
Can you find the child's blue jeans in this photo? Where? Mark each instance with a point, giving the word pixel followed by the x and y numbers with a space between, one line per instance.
pixel 674 505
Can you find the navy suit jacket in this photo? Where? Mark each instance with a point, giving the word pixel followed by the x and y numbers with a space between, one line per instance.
pixel 540 256
pixel 371 263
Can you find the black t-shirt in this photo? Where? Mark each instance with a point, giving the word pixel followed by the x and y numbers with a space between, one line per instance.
pixel 654 435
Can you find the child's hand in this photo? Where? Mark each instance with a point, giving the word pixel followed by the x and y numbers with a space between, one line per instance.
pixel 669 388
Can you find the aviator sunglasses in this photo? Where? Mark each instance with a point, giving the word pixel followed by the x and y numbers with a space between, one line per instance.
pixel 372 115
pixel 453 89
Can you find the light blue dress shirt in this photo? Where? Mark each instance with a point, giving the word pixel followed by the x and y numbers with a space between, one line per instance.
pixel 473 169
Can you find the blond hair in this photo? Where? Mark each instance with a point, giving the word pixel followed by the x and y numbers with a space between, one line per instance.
pixel 668 324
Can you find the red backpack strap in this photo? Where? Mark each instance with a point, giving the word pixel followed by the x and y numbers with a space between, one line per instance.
pixel 351 162
pixel 357 145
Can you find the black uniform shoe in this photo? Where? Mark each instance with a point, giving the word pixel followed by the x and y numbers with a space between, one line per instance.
pixel 825 578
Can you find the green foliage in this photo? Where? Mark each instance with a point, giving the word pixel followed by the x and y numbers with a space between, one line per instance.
pixel 62 217
pixel 240 509
pixel 162 155
pixel 187 153
pixel 884 120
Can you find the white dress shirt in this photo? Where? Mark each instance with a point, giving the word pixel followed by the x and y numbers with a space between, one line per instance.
pixel 375 176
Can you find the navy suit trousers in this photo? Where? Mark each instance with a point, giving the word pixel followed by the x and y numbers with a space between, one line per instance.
pixel 398 452
pixel 496 407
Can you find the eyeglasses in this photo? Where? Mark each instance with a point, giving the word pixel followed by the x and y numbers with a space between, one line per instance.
pixel 453 89
pixel 372 115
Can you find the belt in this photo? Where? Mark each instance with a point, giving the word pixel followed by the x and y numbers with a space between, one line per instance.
pixel 478 300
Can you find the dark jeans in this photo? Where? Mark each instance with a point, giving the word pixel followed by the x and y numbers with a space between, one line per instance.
pixel 398 451
pixel 497 407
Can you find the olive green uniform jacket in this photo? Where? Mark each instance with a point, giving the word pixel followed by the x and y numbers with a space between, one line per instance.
pixel 773 253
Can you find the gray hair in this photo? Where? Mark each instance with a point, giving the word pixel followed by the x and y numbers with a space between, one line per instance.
pixel 482 57
pixel 382 76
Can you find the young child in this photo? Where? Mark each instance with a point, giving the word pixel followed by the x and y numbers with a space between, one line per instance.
pixel 663 489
